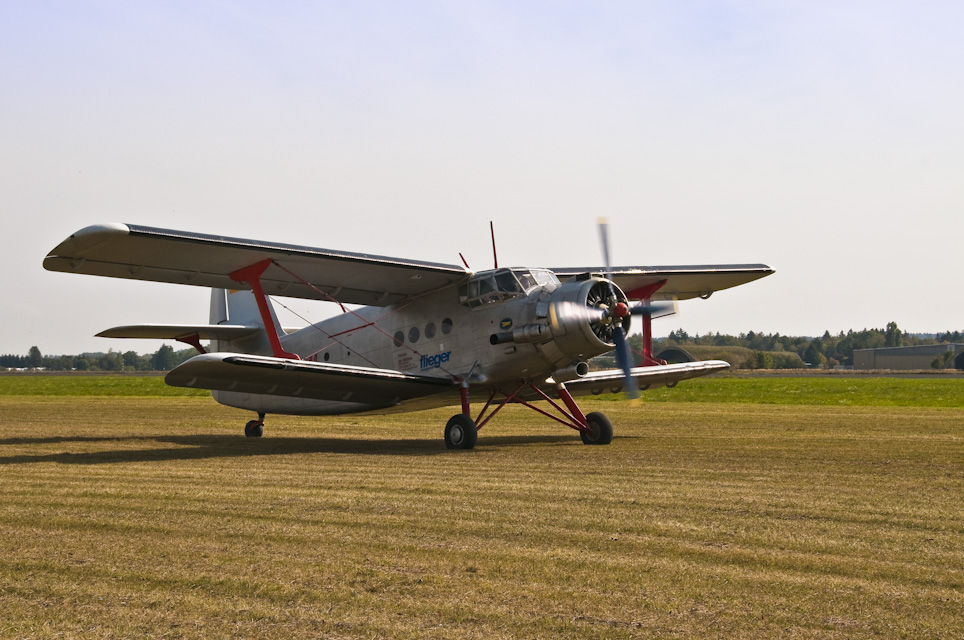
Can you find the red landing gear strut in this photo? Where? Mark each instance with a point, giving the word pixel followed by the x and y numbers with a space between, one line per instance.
pixel 461 431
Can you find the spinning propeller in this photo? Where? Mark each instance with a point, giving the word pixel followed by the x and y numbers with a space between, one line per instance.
pixel 614 312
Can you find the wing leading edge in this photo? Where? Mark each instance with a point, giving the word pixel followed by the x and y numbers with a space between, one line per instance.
pixel 180 257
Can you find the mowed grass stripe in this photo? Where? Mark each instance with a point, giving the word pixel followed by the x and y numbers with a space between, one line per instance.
pixel 699 520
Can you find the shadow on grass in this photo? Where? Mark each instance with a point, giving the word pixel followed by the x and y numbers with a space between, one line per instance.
pixel 196 447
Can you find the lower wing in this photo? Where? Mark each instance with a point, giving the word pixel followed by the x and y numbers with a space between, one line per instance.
pixel 612 380
pixel 385 387
pixel 304 379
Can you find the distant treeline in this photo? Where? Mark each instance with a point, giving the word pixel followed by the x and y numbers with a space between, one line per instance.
pixel 772 350
pixel 755 350
pixel 164 359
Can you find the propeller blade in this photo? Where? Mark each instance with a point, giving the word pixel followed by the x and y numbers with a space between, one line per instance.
pixel 655 309
pixel 623 357
pixel 604 238
pixel 625 362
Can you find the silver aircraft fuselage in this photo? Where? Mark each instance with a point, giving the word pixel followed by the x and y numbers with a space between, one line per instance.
pixel 497 328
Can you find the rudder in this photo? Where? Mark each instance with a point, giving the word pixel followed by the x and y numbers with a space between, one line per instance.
pixel 240 307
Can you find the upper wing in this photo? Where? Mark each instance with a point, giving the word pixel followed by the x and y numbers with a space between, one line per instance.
pixel 682 282
pixel 162 255
pixel 303 379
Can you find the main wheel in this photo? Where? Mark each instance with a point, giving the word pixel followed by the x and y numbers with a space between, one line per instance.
pixel 600 429
pixel 460 432
pixel 254 429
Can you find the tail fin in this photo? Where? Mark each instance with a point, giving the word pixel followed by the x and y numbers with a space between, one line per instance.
pixel 219 307
pixel 240 307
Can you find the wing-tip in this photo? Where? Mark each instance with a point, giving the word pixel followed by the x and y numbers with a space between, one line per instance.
pixel 80 241
pixel 95 233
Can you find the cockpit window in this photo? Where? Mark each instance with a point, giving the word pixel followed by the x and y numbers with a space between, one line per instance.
pixel 507 283
pixel 490 288
pixel 487 287
pixel 526 280
pixel 494 287
pixel 545 277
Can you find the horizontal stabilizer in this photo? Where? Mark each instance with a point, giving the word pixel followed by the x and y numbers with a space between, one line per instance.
pixel 304 379
pixel 175 331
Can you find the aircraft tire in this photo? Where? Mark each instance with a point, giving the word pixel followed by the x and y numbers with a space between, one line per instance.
pixel 460 432
pixel 254 429
pixel 600 429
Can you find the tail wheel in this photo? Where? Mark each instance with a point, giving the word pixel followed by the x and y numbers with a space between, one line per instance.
pixel 254 429
pixel 460 432
pixel 600 429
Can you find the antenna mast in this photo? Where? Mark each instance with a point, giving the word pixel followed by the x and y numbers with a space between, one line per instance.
pixel 495 257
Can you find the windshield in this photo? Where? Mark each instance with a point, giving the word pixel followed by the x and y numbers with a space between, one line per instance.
pixel 497 286
pixel 490 288
pixel 544 277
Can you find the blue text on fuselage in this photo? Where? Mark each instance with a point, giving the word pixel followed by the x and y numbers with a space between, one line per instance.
pixel 434 362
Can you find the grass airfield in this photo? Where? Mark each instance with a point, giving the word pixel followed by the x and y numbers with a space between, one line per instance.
pixel 836 514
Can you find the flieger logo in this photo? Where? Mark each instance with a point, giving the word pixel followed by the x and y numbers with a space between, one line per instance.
pixel 506 324
pixel 434 362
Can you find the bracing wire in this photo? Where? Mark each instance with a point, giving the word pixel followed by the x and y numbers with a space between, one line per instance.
pixel 367 323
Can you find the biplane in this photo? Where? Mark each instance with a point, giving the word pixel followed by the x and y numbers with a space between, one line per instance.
pixel 410 334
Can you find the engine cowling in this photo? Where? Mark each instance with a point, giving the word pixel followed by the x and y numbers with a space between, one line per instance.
pixel 582 316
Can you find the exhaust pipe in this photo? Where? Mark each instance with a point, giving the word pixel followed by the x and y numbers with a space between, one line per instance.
pixel 522 335
pixel 573 372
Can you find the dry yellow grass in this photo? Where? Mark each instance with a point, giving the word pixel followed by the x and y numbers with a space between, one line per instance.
pixel 136 517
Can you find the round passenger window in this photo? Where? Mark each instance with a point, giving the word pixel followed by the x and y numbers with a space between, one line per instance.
pixel 399 338
pixel 413 334
pixel 430 330
pixel 447 326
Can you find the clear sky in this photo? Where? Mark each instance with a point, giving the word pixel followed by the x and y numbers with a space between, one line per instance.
pixel 824 138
